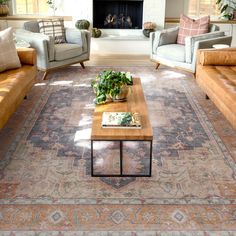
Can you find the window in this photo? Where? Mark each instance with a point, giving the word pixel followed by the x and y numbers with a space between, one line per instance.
pixel 38 7
pixel 22 7
pixel 201 7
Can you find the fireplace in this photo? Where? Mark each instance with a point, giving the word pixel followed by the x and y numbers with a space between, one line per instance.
pixel 118 14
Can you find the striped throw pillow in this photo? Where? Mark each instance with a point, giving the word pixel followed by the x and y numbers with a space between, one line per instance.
pixel 54 28
pixel 191 27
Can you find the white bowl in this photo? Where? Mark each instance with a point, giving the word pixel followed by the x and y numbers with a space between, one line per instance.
pixel 218 46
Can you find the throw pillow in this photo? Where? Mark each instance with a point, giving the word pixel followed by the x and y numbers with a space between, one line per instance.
pixel 54 28
pixel 191 27
pixel 8 55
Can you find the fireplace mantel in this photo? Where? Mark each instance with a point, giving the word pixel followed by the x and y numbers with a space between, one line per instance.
pixel 118 14
pixel 123 41
pixel 153 10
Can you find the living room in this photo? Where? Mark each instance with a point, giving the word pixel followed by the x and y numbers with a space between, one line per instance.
pixel 117 117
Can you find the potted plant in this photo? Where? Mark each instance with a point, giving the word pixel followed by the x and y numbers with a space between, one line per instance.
pixel 148 27
pixel 82 24
pixel 4 10
pixel 227 8
pixel 52 5
pixel 111 85
pixel 96 33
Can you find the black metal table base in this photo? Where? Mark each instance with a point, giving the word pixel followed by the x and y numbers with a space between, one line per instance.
pixel 121 161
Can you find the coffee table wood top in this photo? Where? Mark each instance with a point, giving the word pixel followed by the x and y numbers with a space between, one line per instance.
pixel 135 103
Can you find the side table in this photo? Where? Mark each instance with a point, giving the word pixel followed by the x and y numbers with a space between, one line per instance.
pixel 220 46
pixel 22 44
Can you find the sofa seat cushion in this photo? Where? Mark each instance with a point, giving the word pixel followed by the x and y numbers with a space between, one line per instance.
pixel 228 74
pixel 14 84
pixel 219 83
pixel 175 52
pixel 221 79
pixel 66 51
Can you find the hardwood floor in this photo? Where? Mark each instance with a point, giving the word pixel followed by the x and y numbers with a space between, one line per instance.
pixel 119 60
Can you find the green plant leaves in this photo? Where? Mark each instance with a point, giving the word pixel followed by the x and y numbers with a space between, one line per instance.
pixel 126 119
pixel 224 7
pixel 109 83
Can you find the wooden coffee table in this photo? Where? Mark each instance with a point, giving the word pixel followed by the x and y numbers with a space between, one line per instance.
pixel 135 103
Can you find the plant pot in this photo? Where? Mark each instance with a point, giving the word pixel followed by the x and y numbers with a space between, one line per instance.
pixel 96 33
pixel 4 10
pixel 146 32
pixel 122 96
pixel 82 24
pixel 234 15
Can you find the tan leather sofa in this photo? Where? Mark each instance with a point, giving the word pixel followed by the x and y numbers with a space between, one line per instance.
pixel 16 83
pixel 216 75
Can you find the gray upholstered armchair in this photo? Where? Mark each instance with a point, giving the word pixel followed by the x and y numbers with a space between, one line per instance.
pixel 50 55
pixel 166 51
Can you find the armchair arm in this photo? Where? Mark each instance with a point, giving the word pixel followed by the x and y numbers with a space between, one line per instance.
pixel 80 37
pixel 217 57
pixel 166 36
pixel 191 40
pixel 208 43
pixel 27 56
pixel 74 36
pixel 43 44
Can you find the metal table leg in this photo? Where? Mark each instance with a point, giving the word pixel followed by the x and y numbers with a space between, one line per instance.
pixel 121 162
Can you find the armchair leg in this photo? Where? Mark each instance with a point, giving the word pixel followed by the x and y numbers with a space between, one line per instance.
pixel 157 65
pixel 44 75
pixel 82 65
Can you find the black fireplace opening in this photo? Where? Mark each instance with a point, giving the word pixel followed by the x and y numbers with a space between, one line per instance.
pixel 118 14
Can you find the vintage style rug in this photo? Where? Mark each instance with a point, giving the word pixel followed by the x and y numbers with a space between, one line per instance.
pixel 45 182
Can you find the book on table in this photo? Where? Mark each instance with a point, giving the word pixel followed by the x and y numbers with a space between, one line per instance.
pixel 121 120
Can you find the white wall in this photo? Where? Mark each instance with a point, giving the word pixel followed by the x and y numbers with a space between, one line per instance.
pixel 154 10
pixel 80 9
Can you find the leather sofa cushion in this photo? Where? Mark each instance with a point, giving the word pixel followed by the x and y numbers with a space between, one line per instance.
pixel 219 57
pixel 219 83
pixel 66 51
pixel 14 84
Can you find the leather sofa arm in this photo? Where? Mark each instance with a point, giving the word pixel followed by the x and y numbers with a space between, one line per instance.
pixel 27 56
pixel 217 57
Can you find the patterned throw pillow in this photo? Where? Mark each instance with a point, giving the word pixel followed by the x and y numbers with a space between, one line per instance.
pixel 8 55
pixel 191 27
pixel 54 28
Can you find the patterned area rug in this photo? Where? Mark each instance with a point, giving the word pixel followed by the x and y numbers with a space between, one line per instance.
pixel 46 183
